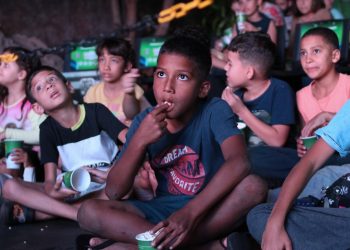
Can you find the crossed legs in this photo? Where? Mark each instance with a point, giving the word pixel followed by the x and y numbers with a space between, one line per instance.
pixel 121 221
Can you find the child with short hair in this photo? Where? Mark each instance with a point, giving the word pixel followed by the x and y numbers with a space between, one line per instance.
pixel 266 105
pixel 17 119
pixel 284 226
pixel 195 149
pixel 119 90
pixel 82 136
pixel 329 90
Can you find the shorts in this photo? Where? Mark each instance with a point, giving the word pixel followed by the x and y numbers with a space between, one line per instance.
pixel 161 207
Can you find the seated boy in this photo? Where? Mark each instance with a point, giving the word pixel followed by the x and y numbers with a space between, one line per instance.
pixel 85 135
pixel 329 89
pixel 196 151
pixel 266 105
pixel 284 226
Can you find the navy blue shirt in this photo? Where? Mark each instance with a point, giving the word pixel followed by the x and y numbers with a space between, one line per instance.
pixel 275 106
pixel 184 162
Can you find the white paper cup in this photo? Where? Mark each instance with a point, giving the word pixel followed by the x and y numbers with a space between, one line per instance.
pixel 10 164
pixel 78 180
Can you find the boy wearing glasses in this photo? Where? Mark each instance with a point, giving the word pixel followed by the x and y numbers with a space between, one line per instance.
pixel 80 135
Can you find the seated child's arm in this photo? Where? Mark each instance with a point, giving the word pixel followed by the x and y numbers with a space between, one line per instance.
pixel 28 136
pixel 309 128
pixel 272 135
pixel 121 177
pixel 272 32
pixel 53 186
pixel 122 135
pixel 218 59
pixel 233 171
pixel 145 183
pixel 275 233
pixel 333 137
pixel 131 105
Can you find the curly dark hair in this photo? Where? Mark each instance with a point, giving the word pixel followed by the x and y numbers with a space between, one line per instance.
pixel 193 43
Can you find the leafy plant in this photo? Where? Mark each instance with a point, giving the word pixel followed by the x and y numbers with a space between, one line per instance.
pixel 218 17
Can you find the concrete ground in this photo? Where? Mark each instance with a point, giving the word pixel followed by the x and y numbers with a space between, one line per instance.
pixel 57 234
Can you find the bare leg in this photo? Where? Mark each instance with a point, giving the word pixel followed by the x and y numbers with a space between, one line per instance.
pixel 115 220
pixel 121 222
pixel 224 218
pixel 32 195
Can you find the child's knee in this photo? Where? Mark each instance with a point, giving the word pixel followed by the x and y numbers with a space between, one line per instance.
pixel 253 186
pixel 257 218
pixel 86 213
pixel 9 189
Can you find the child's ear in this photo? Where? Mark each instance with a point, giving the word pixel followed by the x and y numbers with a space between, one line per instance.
pixel 128 67
pixel 38 108
pixel 250 72
pixel 204 89
pixel 335 55
pixel 22 74
pixel 70 87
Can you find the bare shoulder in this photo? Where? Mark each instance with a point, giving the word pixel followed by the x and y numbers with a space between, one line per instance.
pixel 322 14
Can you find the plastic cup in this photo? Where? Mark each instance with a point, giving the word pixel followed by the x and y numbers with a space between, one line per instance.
pixel 10 145
pixel 78 180
pixel 144 241
pixel 240 19
pixel 308 141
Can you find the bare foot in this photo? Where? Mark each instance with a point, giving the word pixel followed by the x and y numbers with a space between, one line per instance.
pixel 100 243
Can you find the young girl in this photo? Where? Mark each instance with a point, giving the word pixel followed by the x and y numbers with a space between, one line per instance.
pixel 17 119
pixel 118 90
pixel 200 195
pixel 308 11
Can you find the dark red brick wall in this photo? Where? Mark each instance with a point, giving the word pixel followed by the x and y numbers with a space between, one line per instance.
pixel 56 21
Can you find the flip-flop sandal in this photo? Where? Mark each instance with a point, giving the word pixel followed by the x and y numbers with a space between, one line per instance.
pixel 7 207
pixel 7 216
pixel 103 245
pixel 242 241
pixel 82 242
